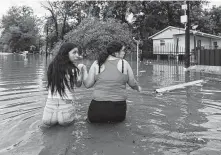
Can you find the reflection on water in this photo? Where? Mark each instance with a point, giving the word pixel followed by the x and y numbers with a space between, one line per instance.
pixel 184 121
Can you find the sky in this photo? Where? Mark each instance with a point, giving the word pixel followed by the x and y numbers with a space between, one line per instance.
pixel 213 2
pixel 40 11
pixel 34 4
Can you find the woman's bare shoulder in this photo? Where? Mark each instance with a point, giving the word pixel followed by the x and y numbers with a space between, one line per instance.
pixel 126 63
pixel 95 63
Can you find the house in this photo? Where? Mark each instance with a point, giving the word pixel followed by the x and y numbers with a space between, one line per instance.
pixel 171 41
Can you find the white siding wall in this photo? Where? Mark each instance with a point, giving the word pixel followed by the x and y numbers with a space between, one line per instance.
pixel 181 43
pixel 168 48
pixel 168 33
pixel 204 41
pixel 219 43
pixel 167 36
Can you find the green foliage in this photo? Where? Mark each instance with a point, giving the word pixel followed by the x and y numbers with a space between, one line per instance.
pixel 93 34
pixel 215 19
pixel 64 16
pixel 20 29
pixel 117 10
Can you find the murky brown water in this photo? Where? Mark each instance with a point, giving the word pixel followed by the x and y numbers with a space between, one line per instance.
pixel 185 121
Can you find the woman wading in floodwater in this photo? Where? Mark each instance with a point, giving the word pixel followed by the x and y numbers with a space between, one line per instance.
pixel 62 76
pixel 109 75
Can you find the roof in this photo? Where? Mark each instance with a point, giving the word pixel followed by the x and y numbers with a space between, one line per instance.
pixel 165 30
pixel 202 34
pixel 182 29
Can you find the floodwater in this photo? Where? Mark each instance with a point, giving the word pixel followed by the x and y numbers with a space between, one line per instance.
pixel 180 122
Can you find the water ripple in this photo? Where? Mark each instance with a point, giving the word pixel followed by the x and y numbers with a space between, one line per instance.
pixel 184 121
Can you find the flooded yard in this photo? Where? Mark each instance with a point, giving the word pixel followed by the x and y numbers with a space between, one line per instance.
pixel 180 122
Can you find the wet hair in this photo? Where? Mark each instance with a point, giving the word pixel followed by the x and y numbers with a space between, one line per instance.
pixel 61 71
pixel 112 47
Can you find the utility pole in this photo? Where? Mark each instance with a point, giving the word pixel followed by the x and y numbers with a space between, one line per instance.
pixel 187 37
pixel 194 35
pixel 46 46
pixel 137 41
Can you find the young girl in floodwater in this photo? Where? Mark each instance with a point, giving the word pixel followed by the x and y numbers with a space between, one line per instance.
pixel 62 76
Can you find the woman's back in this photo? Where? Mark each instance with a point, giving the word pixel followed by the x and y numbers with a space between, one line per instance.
pixel 109 75
pixel 69 94
pixel 110 83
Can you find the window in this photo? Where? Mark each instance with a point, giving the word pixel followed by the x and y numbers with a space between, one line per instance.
pixel 215 44
pixel 162 42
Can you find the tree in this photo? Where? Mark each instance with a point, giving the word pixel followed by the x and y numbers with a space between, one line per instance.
pixel 20 29
pixel 93 34
pixel 215 19
pixel 54 15
pixel 116 9
pixel 65 15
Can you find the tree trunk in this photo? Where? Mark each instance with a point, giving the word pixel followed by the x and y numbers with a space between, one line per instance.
pixel 55 22
pixel 63 27
pixel 56 25
pixel 46 46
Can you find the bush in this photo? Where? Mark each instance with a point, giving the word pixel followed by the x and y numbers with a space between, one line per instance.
pixel 92 35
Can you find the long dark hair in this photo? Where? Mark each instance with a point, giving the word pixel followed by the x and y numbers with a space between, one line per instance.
pixel 60 68
pixel 112 47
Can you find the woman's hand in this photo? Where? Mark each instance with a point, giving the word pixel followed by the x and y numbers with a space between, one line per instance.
pixel 84 68
pixel 139 89
pixel 80 66
pixel 80 76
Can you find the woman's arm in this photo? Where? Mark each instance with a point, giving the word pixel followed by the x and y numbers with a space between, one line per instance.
pixel 78 81
pixel 131 81
pixel 89 78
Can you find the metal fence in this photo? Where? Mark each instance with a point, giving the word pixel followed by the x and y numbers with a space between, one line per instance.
pixel 171 53
pixel 169 49
pixel 211 57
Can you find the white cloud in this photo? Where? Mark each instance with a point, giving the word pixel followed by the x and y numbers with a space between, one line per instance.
pixel 217 3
